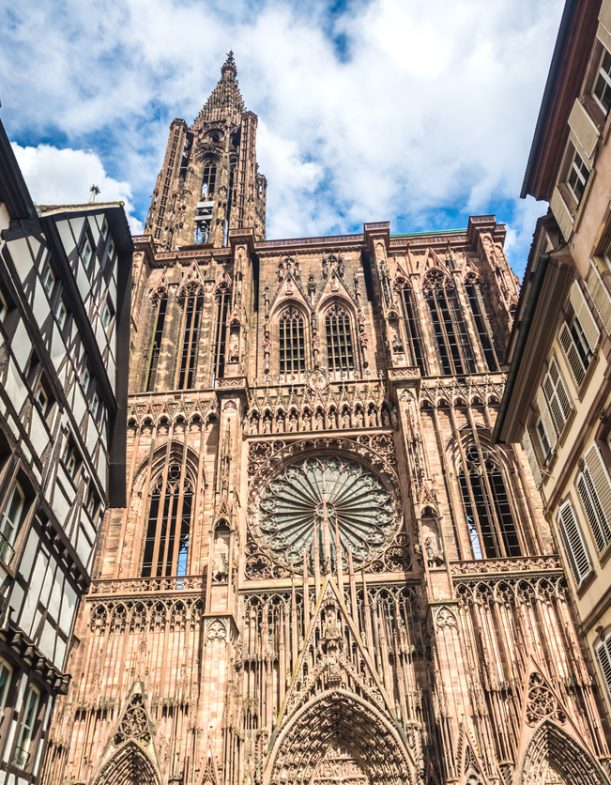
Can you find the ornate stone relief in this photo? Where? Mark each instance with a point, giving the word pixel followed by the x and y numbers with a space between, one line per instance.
pixel 134 723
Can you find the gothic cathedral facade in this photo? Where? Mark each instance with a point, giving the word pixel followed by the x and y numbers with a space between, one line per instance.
pixel 326 571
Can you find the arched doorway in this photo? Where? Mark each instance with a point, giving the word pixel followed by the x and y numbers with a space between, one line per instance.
pixel 130 765
pixel 336 738
pixel 554 758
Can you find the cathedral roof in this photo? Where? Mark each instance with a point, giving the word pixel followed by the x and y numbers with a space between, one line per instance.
pixel 226 98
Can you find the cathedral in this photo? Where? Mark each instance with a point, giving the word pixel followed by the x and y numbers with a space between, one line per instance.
pixel 326 571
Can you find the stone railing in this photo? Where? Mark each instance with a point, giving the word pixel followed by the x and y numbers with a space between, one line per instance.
pixel 189 584
pixel 516 564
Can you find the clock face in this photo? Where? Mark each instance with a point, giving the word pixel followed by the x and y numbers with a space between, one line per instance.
pixel 318 503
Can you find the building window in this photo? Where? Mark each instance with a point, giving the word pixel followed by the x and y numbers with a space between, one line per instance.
pixel 166 547
pixel 572 537
pixel 452 340
pixel 61 313
pixel 85 379
pixel 602 83
pixel 603 654
pixel 594 488
pixel 42 397
pixel 3 306
pixel 544 440
pixel 87 253
pixel 577 176
pixel 474 296
pixel 93 502
pixel 340 353
pixel 48 279
pixel 159 308
pixel 71 459
pixel 6 674
pixel 27 727
pixel 221 299
pixel 414 336
pixel 490 521
pixel 291 342
pixel 192 301
pixel 556 397
pixel 95 405
pixel 11 518
pixel 107 314
pixel 209 179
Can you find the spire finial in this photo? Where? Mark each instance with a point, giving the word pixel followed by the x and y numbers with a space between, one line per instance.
pixel 229 64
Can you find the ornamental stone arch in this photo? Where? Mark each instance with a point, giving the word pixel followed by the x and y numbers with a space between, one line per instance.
pixel 337 731
pixel 552 757
pixel 129 765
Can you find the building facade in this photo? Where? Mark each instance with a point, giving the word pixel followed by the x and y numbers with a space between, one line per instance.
pixel 325 571
pixel 558 399
pixel 64 332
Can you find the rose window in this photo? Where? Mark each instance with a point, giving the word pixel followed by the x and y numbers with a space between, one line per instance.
pixel 319 503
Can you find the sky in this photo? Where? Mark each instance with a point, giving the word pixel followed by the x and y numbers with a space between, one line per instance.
pixel 417 112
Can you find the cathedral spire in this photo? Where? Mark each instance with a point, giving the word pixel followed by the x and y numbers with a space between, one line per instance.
pixel 226 98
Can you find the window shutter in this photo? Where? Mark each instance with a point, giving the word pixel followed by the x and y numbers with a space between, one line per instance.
pixel 572 537
pixel 572 355
pixel 594 489
pixel 601 297
pixel 546 418
pixel 556 396
pixel 584 315
pixel 532 458
pixel 603 652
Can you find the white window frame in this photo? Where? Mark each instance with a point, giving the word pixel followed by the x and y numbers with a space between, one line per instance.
pixel 11 518
pixel 61 313
pixel 87 253
pixel 41 396
pixel 576 167
pixel 574 543
pixel 603 77
pixel 27 724
pixel 48 279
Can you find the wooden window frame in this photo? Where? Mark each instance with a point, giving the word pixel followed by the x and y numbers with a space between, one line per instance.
pixel 580 563
pixel 28 721
pixel 603 655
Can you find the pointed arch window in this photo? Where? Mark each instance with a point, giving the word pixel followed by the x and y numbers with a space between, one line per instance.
pixel 480 318
pixel 192 302
pixel 451 337
pixel 488 512
pixel 340 351
pixel 414 335
pixel 291 342
pixel 159 307
pixel 209 179
pixel 166 548
pixel 221 300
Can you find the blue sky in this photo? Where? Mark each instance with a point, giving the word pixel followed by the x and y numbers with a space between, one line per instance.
pixel 420 112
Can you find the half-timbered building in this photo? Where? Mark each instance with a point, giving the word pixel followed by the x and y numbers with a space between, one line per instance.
pixel 64 333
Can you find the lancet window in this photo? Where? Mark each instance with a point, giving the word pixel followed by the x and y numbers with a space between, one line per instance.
pixel 340 351
pixel 480 319
pixel 451 337
pixel 166 548
pixel 414 336
pixel 291 342
pixel 192 302
pixel 487 506
pixel 209 179
pixel 159 309
pixel 221 299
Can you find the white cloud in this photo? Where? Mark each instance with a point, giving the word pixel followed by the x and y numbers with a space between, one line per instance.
pixel 65 176
pixel 431 106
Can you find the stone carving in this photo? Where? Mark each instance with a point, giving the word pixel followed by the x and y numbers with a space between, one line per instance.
pixel 134 723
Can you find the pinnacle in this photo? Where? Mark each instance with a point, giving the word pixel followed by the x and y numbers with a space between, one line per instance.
pixel 226 97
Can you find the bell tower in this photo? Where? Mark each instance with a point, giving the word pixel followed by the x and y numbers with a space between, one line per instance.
pixel 209 182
